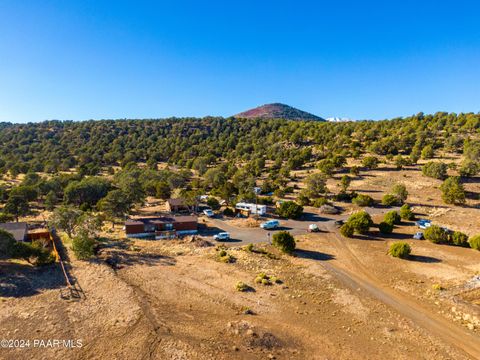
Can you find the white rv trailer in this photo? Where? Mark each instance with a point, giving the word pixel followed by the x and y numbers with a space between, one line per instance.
pixel 252 208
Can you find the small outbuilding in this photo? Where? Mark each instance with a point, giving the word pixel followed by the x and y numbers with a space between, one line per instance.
pixel 177 206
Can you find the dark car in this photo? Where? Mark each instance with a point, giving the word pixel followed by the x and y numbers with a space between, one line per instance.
pixel 339 223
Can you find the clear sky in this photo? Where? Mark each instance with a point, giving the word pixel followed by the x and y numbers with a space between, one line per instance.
pixel 94 59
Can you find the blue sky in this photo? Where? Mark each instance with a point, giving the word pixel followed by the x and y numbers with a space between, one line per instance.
pixel 135 59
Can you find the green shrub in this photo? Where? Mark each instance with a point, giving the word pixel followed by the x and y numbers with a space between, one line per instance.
pixel 83 246
pixel 263 279
pixel 370 162
pixel 228 212
pixel 284 241
pixel 435 170
pixel 227 259
pixel 7 241
pixel 347 230
pixel 248 247
pixel 303 200
pixel 241 286
pixel 33 253
pixel 354 170
pixel 290 210
pixel 460 239
pixel 265 200
pixel 320 202
pixel 279 193
pixel 213 203
pixel 427 152
pixel 385 227
pixel 361 221
pixel 437 287
pixel 363 200
pixel 436 234
pixel 475 242
pixel 406 212
pixel 392 218
pixel 389 200
pixel 345 196
pixel 469 168
pixel 453 191
pixel 5 217
pixel 400 249
pixel 400 191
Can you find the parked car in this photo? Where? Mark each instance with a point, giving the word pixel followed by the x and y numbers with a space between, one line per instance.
pixel 313 228
pixel 418 235
pixel 221 236
pixel 209 213
pixel 270 224
pixel 423 223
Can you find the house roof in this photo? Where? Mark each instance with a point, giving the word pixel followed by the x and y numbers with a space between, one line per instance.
pixel 17 229
pixel 176 202
pixel 161 220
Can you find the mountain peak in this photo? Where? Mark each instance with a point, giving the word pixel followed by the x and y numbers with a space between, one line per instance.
pixel 277 111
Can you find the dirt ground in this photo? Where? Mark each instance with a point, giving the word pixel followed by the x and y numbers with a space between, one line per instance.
pixel 175 300
pixel 336 298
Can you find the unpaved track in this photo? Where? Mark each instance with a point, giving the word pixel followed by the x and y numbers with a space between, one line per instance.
pixel 157 329
pixel 356 275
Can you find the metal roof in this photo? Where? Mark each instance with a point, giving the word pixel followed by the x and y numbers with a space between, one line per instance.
pixel 17 229
pixel 161 220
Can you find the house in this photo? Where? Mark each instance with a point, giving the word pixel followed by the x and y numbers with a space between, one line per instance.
pixel 161 227
pixel 17 229
pixel 22 231
pixel 177 206
pixel 247 208
pixel 38 233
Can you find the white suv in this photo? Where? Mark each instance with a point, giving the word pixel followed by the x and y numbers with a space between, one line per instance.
pixel 222 236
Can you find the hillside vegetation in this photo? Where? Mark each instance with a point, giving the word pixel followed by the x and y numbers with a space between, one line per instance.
pixel 52 146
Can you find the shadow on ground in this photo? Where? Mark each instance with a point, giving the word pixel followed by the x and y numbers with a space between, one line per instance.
pixel 17 280
pixel 423 259
pixel 313 255
pixel 228 241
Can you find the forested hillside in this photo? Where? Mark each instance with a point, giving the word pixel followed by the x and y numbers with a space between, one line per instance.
pixel 78 163
pixel 53 146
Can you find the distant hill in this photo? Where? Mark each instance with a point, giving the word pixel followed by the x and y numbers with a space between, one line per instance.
pixel 278 111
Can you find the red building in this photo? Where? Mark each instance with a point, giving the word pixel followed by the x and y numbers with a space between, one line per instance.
pixel 161 227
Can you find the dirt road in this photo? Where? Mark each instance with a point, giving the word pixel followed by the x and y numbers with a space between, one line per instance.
pixel 350 270
pixel 354 274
